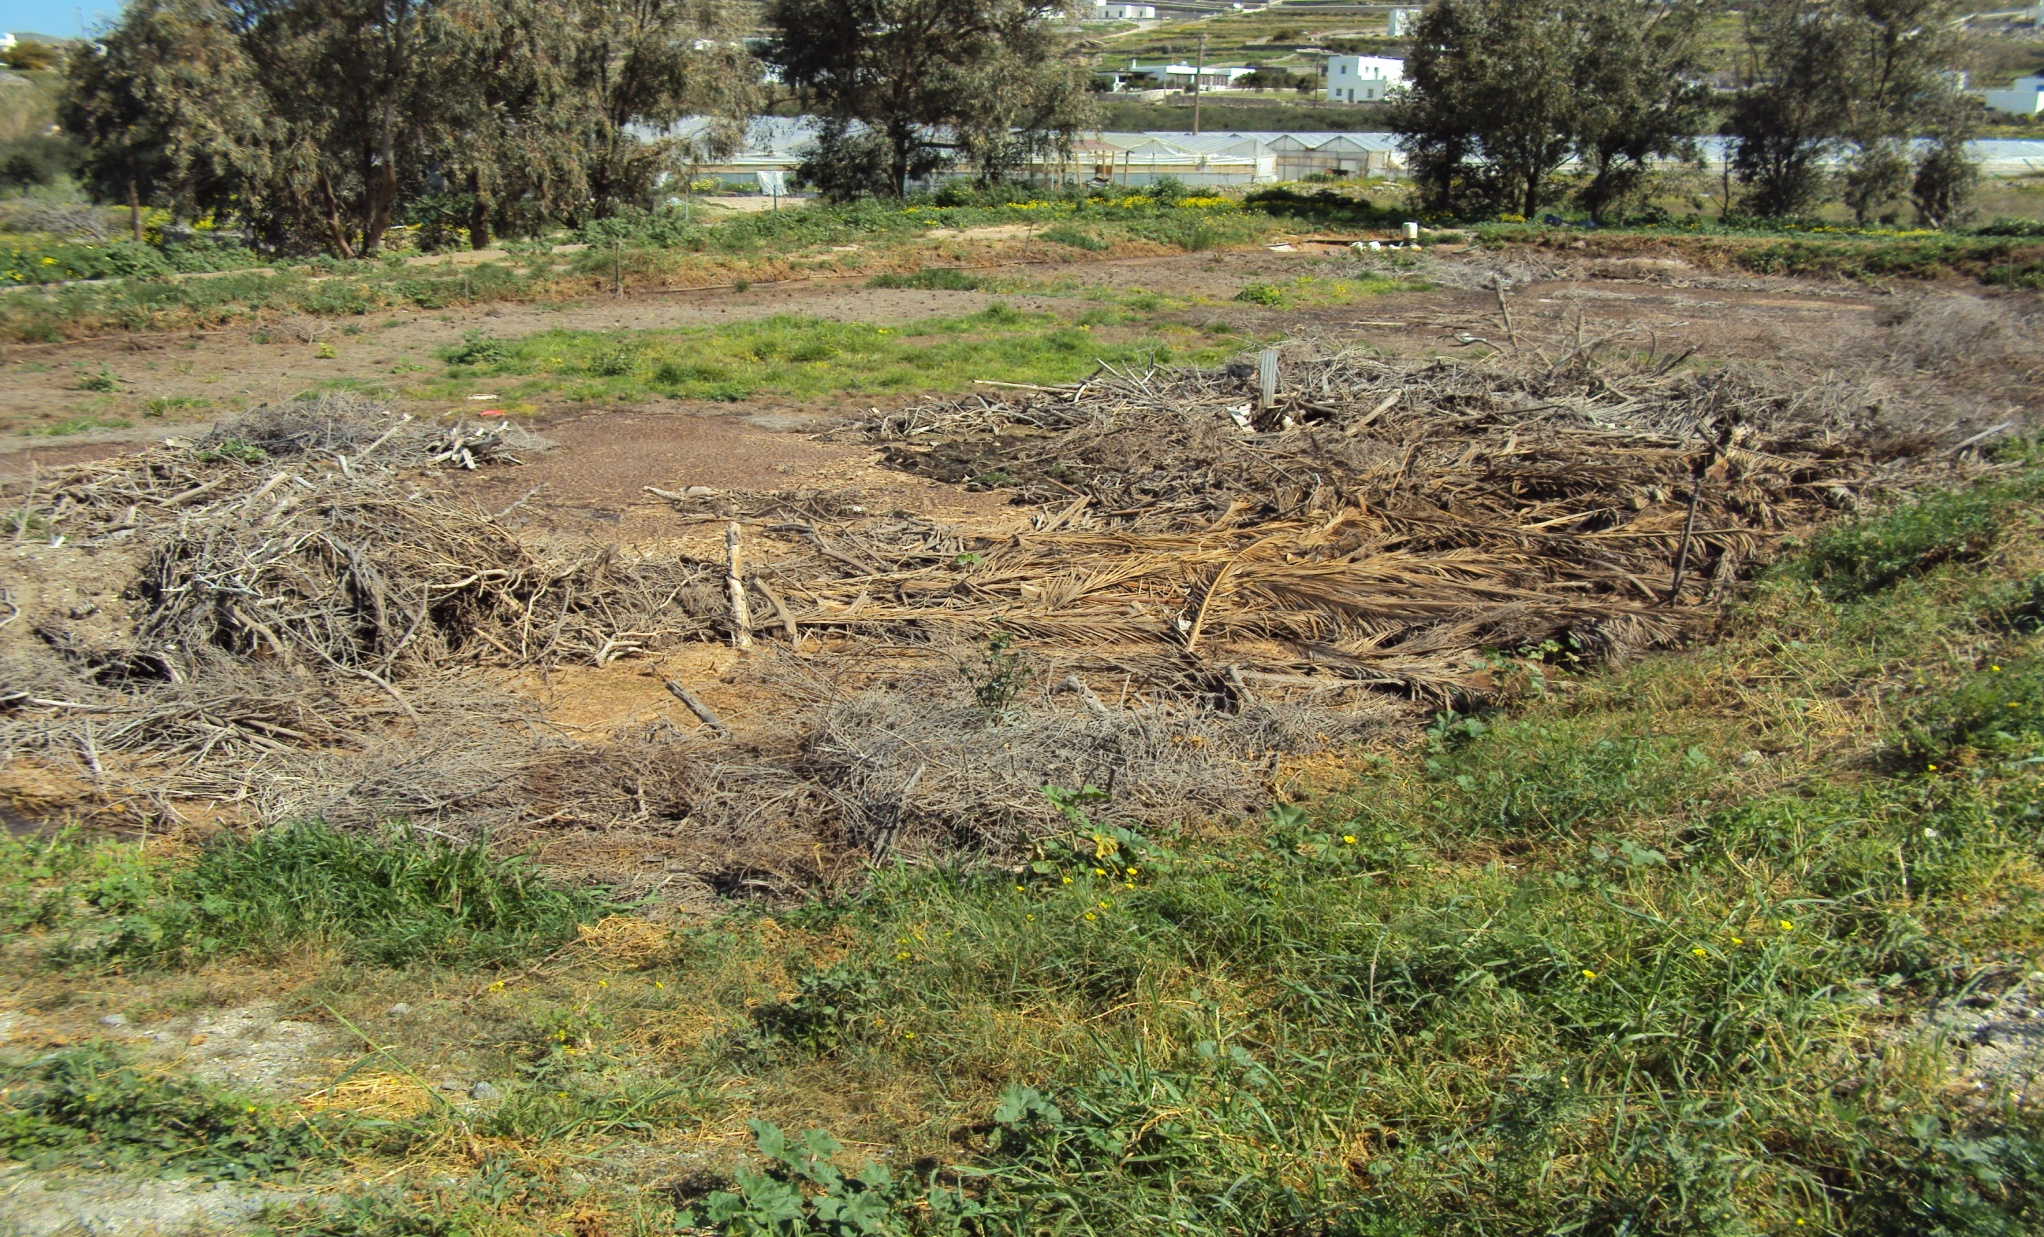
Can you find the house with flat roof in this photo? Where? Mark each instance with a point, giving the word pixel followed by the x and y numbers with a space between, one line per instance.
pixel 1362 79
pixel 1179 76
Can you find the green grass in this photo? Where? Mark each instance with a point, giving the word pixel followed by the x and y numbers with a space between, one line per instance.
pixel 942 278
pixel 1313 292
pixel 164 405
pixel 789 356
pixel 75 425
pixel 390 899
pixel 63 289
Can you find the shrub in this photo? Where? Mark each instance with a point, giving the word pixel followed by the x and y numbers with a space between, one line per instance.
pixel 476 348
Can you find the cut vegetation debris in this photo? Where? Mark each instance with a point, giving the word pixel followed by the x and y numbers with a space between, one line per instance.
pixel 294 617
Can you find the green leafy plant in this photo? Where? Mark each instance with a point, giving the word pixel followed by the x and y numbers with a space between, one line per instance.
pixel 1000 675
pixel 828 1008
pixel 88 1106
pixel 231 450
pixel 103 381
pixel 476 349
pixel 615 361
pixel 802 1192
pixel 1266 294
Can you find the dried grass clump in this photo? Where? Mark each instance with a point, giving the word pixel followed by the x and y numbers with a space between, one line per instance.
pixel 918 767
pixel 1956 336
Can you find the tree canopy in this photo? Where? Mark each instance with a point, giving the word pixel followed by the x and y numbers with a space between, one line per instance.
pixel 315 121
pixel 1851 83
pixel 1501 94
pixel 931 81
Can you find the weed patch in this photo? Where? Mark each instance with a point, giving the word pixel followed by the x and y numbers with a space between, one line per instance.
pixel 87 1107
pixel 943 278
pixel 389 899
pixel 1864 557
pixel 801 357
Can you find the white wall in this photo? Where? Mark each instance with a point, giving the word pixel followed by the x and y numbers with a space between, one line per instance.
pixel 1362 79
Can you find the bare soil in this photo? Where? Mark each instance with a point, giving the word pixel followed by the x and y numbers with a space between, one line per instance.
pixel 228 370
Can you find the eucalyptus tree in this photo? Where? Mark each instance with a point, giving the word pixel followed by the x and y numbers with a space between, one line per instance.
pixel 1500 95
pixel 168 109
pixel 931 82
pixel 315 121
pixel 1834 97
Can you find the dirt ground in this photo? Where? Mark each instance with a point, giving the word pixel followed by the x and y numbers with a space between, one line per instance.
pixel 592 488
pixel 615 451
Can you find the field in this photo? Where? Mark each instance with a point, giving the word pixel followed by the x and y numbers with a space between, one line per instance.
pixel 861 723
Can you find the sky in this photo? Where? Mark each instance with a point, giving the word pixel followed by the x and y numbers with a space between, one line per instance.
pixel 56 17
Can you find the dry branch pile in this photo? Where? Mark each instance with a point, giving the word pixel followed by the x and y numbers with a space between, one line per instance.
pixel 290 613
pixel 294 584
pixel 1380 524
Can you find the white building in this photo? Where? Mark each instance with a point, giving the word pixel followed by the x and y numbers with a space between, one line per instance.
pixel 1400 22
pixel 1179 76
pixel 1362 79
pixel 2024 98
pixel 1103 10
pixel 6 42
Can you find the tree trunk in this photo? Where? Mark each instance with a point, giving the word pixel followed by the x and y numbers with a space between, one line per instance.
pixel 382 190
pixel 337 235
pixel 478 213
pixel 134 210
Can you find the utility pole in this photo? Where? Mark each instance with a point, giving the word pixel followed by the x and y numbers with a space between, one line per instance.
pixel 1198 71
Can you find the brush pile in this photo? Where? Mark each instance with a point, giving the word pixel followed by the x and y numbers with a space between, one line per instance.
pixel 288 588
pixel 1196 592
pixel 1380 524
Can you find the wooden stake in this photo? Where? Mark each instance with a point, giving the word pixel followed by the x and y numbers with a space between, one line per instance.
pixel 1266 378
pixel 734 581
